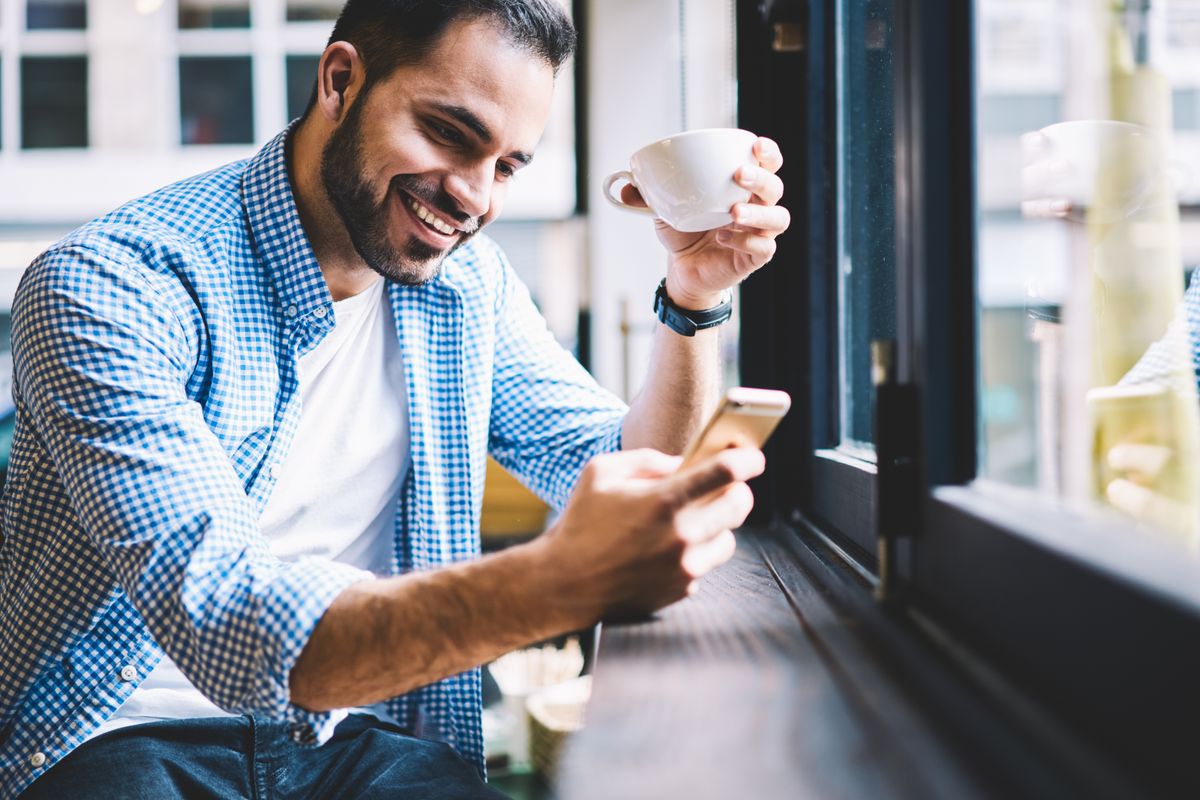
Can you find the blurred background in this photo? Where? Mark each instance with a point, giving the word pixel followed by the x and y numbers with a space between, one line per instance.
pixel 1042 62
pixel 103 100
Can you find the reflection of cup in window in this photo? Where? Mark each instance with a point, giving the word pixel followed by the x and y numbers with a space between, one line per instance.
pixel 1101 171
pixel 1115 177
pixel 1145 454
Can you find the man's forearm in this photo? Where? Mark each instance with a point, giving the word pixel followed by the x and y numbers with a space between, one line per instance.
pixel 635 535
pixel 681 390
pixel 385 637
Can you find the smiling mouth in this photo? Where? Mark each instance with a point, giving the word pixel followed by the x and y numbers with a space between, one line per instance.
pixel 431 220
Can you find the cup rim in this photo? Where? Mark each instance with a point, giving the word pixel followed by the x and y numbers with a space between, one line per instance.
pixel 690 133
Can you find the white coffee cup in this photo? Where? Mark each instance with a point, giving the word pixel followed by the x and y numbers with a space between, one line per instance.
pixel 687 179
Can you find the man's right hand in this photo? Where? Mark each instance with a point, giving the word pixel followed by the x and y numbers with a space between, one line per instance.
pixel 637 535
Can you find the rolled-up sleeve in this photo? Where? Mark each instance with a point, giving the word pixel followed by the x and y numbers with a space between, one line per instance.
pixel 101 363
pixel 1174 359
pixel 549 416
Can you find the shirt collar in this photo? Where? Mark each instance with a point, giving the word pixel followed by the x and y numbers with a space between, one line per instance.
pixel 278 237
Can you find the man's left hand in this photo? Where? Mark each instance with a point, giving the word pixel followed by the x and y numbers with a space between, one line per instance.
pixel 701 266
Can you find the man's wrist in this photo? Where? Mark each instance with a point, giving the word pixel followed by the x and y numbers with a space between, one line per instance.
pixel 574 605
pixel 693 302
pixel 688 322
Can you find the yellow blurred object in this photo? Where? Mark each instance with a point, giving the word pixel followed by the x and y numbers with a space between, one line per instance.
pixel 1145 438
pixel 1133 221
pixel 1145 454
pixel 509 509
pixel 523 673
pixel 554 714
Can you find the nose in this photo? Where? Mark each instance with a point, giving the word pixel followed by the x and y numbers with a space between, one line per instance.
pixel 471 189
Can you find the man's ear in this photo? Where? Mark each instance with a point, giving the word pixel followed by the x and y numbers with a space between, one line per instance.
pixel 340 76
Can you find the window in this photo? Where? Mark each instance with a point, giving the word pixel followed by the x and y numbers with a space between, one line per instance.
pixel 308 10
pixel 301 80
pixel 214 14
pixel 866 267
pixel 1043 234
pixel 44 69
pixel 215 100
pixel 55 15
pixel 54 107
pixel 1088 380
pixel 850 177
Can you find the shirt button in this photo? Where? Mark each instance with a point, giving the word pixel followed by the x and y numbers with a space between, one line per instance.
pixel 291 311
pixel 37 759
pixel 320 312
pixel 128 673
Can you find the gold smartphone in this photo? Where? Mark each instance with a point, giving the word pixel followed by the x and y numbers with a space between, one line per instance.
pixel 746 417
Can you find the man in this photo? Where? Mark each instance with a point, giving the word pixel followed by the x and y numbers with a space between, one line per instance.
pixel 244 397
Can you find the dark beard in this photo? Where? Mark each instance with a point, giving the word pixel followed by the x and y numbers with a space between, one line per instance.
pixel 367 221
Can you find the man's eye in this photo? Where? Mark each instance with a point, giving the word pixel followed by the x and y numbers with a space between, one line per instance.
pixel 446 133
pixel 505 169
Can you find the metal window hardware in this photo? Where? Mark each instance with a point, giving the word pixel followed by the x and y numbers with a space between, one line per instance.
pixel 897 438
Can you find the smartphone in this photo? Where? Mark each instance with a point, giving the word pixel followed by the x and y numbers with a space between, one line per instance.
pixel 746 417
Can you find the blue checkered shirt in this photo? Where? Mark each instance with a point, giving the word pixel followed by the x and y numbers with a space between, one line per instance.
pixel 155 380
pixel 1175 358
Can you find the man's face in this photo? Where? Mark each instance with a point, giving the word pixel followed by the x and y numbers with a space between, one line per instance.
pixel 422 160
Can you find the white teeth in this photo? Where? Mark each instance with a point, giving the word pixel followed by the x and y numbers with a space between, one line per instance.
pixel 431 219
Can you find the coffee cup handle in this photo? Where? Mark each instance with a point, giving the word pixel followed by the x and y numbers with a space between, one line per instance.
pixel 626 176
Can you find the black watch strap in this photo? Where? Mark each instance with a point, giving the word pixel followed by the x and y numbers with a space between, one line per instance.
pixel 685 322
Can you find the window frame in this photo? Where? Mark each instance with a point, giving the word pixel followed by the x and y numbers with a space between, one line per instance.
pixel 1104 643
pixel 810 477
pixel 15 44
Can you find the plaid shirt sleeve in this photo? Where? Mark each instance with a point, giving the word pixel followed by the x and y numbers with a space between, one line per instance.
pixel 101 365
pixel 549 416
pixel 1174 359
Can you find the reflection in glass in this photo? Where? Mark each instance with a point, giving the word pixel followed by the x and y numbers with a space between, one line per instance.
pixel 54 103
pixel 214 14
pixel 55 14
pixel 216 100
pixel 307 10
pixel 867 209
pixel 301 78
pixel 1087 334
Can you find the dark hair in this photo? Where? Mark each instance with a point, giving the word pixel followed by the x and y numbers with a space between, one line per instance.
pixel 392 33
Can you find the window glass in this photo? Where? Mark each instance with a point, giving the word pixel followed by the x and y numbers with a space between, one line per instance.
pixel 214 14
pixel 54 103
pixel 215 100
pixel 301 77
pixel 866 205
pixel 306 10
pixel 1088 132
pixel 55 14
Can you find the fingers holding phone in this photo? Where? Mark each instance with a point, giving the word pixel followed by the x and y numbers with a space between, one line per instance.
pixel 642 527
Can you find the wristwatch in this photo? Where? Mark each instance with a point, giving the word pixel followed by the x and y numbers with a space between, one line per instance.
pixel 685 322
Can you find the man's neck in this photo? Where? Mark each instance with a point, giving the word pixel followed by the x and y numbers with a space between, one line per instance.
pixel 345 273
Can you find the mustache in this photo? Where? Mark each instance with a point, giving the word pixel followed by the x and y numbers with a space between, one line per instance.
pixel 431 195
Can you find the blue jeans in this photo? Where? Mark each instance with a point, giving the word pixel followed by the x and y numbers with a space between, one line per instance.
pixel 251 757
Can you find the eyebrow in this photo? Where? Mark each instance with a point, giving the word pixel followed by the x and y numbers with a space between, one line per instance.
pixel 468 117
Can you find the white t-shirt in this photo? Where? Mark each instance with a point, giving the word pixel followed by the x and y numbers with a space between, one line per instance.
pixel 336 492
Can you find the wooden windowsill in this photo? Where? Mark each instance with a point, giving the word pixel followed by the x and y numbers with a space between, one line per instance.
pixel 748 691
